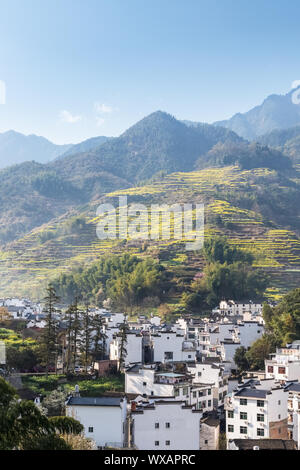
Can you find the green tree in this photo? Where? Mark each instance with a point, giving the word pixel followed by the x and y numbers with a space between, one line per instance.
pixel 259 351
pixel 48 347
pixel 240 358
pixel 24 427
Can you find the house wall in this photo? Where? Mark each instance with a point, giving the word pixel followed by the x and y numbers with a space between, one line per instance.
pixel 107 422
pixel 209 437
pixel 183 434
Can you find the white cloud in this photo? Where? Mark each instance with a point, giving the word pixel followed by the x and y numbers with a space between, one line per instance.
pixel 66 116
pixel 102 108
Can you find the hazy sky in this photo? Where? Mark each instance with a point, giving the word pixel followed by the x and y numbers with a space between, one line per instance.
pixel 74 69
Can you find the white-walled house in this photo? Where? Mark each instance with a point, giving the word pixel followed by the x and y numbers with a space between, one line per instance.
pixel 169 346
pixel 146 380
pixel 257 411
pixel 103 418
pixel 214 375
pixel 284 365
pixel 234 308
pixel 134 348
pixel 166 425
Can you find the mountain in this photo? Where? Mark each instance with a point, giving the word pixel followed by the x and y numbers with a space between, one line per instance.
pixel 276 112
pixel 285 140
pixel 18 148
pixel 32 194
pixel 246 155
pixel 255 209
pixel 159 142
pixel 85 146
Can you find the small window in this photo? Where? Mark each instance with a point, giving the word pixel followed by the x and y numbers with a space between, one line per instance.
pixel 243 415
pixel 230 428
pixel 167 425
pixel 230 414
pixel 157 443
pixel 199 374
pixel 260 417
pixel 156 425
pixel 209 403
pixel 260 403
pixel 260 432
pixel 209 391
pixel 279 402
pixel 243 429
pixel 145 384
pixel 91 429
pixel 168 443
pixel 281 370
pixel 279 416
pixel 270 369
pixel 243 401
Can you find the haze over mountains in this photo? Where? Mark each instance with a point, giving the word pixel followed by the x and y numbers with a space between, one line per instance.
pixel 276 112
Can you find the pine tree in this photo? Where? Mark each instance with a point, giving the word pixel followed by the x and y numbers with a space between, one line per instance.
pixel 86 338
pixel 123 343
pixel 99 340
pixel 49 339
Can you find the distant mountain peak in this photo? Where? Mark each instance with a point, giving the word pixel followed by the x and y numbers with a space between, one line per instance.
pixel 275 112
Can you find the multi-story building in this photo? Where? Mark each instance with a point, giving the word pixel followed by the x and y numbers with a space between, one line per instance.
pixel 257 410
pixel 165 425
pixel 284 365
pixel 211 374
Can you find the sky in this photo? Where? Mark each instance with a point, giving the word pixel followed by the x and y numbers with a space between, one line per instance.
pixel 74 69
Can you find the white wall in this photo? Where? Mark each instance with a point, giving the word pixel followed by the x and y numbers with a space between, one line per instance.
pixel 107 422
pixel 183 434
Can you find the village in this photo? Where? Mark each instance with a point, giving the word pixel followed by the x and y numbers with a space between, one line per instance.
pixel 182 389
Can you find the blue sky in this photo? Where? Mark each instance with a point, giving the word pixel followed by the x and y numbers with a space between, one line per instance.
pixel 79 68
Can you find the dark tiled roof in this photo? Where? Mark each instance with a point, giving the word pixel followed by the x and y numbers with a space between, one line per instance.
pixel 251 393
pixel 94 401
pixel 265 444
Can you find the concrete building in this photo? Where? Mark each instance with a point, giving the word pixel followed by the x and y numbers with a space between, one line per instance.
pixel 257 410
pixel 103 418
pixel 165 425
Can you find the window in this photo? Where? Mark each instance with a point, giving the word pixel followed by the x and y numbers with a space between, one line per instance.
pixel 243 415
pixel 230 414
pixel 209 391
pixel 230 428
pixel 279 402
pixel 209 403
pixel 260 417
pixel 91 429
pixel 168 443
pixel 206 441
pixel 200 393
pixel 145 384
pixel 156 425
pixel 194 394
pixel 199 374
pixel 176 392
pixel 169 356
pixel 260 432
pixel 157 443
pixel 270 369
pixel 243 429
pixel 281 370
pixel 279 416
pixel 243 401
pixel 189 357
pixel 260 403
pixel 167 425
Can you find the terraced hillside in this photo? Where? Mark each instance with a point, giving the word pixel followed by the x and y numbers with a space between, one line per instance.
pixel 257 210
